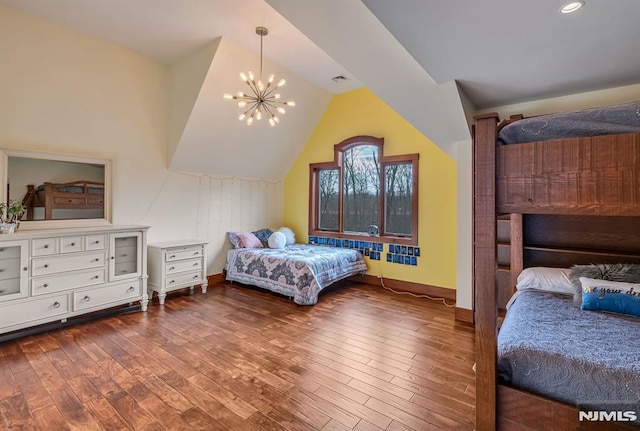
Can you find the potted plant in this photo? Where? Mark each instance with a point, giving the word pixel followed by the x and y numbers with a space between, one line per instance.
pixel 10 215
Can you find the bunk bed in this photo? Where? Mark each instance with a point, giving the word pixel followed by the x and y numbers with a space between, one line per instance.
pixel 568 198
pixel 78 196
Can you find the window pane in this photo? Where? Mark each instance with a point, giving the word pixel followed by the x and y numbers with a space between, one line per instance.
pixel 328 199
pixel 361 188
pixel 398 199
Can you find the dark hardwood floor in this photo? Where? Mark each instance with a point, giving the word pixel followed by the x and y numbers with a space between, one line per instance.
pixel 238 358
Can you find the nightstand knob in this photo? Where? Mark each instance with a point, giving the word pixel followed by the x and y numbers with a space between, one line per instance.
pixel 172 268
pixel 86 298
pixel 196 276
pixel 196 264
pixel 196 253
pixel 56 304
pixel 172 281
pixel 172 256
pixel 131 289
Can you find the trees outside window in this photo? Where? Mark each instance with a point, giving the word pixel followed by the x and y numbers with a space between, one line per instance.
pixel 361 188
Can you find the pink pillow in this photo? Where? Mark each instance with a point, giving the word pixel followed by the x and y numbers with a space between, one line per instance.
pixel 249 240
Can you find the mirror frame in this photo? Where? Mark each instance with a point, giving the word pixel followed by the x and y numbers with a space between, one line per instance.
pixel 5 153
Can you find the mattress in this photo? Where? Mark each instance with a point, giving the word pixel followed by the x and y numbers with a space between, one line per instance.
pixel 547 345
pixel 610 120
pixel 299 271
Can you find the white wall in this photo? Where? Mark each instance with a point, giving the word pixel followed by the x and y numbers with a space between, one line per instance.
pixel 64 92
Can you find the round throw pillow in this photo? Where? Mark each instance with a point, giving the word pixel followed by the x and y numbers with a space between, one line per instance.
pixel 288 233
pixel 277 240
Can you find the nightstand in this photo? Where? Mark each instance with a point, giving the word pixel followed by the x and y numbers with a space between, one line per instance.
pixel 175 265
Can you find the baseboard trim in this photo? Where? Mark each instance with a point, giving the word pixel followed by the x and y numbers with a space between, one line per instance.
pixel 464 315
pixel 408 286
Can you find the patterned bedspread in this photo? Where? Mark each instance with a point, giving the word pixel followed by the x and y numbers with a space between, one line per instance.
pixel 299 271
pixel 549 346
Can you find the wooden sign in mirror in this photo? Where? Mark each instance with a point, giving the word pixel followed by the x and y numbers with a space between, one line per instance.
pixel 57 190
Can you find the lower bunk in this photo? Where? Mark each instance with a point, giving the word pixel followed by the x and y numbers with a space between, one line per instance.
pixel 564 367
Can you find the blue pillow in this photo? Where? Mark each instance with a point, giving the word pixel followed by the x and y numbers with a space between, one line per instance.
pixel 612 296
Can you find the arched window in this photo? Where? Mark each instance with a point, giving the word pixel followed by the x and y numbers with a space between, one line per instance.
pixel 362 192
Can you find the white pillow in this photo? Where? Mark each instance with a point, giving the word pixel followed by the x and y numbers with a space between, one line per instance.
pixel 288 233
pixel 544 278
pixel 277 240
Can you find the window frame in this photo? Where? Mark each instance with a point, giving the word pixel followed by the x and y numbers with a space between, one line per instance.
pixel 383 161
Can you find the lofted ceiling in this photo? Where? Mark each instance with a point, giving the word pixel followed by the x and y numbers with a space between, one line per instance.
pixel 433 61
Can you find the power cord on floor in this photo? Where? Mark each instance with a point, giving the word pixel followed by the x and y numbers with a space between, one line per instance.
pixel 415 295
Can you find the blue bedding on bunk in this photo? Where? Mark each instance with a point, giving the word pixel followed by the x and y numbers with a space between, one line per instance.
pixel 610 120
pixel 549 346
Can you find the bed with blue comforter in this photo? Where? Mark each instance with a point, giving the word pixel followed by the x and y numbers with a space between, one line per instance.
pixel 549 346
pixel 299 271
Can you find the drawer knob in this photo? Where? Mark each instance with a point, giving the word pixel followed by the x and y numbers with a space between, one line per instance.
pixel 172 256
pixel 46 246
pixel 130 289
pixel 96 242
pixel 196 264
pixel 172 281
pixel 196 276
pixel 172 268
pixel 46 265
pixel 86 298
pixel 196 253
pixel 56 304
pixel 73 244
pixel 97 259
pixel 96 276
pixel 45 285
pixel 1 270
pixel 25 268
pixel 1 292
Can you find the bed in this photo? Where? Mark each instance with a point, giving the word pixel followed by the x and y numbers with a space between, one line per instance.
pixel 568 199
pixel 76 197
pixel 298 271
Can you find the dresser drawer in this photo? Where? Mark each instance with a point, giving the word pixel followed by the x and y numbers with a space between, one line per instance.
pixel 180 280
pixel 183 253
pixel 54 264
pixel 126 241
pixel 71 244
pixel 95 242
pixel 126 254
pixel 184 265
pixel 121 292
pixel 35 309
pixel 123 268
pixel 44 246
pixel 44 285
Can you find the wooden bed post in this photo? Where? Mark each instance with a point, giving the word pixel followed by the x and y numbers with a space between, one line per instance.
pixel 485 267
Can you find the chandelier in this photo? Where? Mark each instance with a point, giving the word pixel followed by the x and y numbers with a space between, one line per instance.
pixel 263 99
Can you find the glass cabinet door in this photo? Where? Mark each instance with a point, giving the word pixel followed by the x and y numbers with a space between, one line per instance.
pixel 125 260
pixel 14 271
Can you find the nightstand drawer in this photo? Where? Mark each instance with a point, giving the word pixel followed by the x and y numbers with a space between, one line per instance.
pixel 184 265
pixel 41 286
pixel 181 280
pixel 90 298
pixel 54 264
pixel 183 253
pixel 34 309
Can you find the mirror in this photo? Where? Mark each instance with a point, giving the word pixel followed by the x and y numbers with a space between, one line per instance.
pixel 57 190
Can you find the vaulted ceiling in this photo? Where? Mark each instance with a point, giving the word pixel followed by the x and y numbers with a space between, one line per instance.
pixel 433 61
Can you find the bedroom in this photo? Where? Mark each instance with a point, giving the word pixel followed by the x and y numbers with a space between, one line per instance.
pixel 75 105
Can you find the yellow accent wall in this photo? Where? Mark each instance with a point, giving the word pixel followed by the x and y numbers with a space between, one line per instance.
pixel 361 112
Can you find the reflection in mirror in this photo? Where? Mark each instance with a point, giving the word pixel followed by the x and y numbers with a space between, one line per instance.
pixel 57 190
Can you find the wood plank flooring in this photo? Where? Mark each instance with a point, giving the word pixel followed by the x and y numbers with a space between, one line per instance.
pixel 238 358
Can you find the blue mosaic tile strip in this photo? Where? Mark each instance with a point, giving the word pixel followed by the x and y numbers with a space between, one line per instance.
pixel 400 254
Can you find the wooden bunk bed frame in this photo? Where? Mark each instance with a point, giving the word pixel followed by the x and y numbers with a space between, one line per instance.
pixel 52 198
pixel 569 201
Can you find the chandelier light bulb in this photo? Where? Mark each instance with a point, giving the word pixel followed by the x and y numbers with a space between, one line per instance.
pixel 261 100
pixel 290 103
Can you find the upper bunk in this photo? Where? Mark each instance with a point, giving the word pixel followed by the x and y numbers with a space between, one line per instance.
pixel 583 162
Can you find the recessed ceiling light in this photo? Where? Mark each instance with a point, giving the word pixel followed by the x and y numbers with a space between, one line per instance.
pixel 571 7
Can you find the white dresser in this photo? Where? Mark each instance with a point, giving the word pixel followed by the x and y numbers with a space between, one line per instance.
pixel 175 265
pixel 50 275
